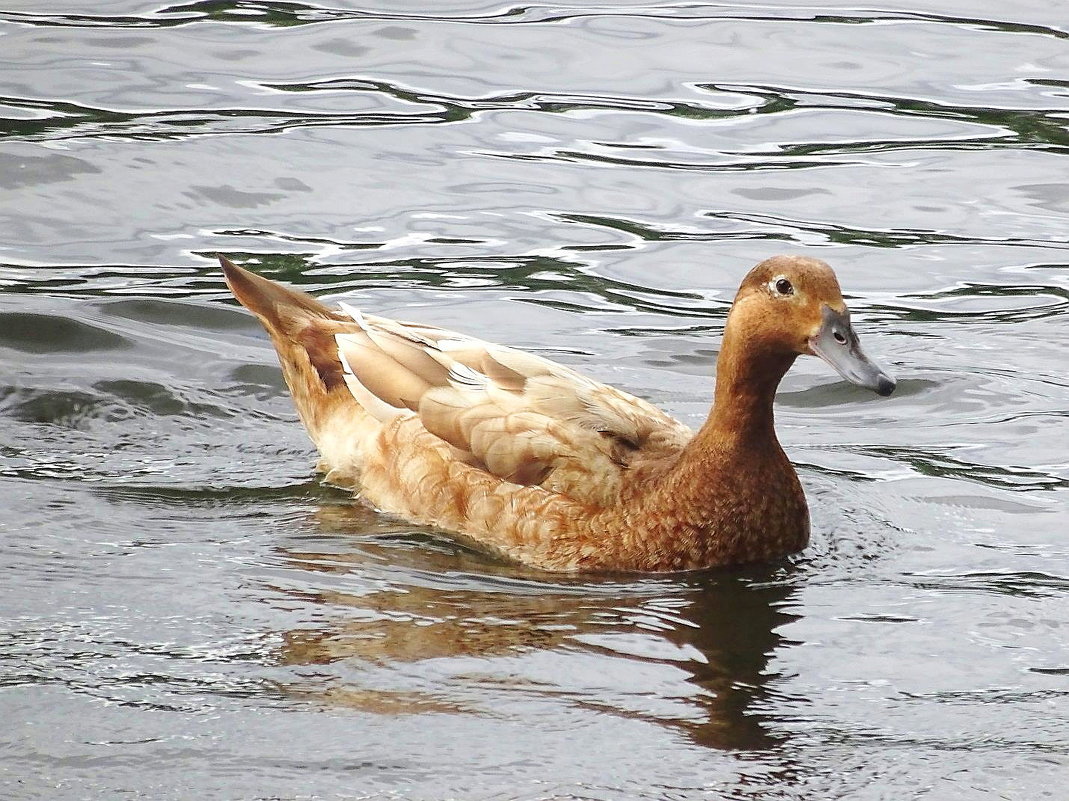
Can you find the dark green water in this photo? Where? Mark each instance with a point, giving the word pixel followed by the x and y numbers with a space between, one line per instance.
pixel 186 613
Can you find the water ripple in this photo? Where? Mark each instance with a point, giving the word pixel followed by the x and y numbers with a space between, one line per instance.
pixel 287 14
pixel 981 127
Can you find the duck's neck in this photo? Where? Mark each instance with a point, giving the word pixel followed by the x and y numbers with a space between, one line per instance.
pixel 740 433
pixel 746 382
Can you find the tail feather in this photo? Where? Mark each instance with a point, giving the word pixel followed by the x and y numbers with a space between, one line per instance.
pixel 302 330
pixel 277 306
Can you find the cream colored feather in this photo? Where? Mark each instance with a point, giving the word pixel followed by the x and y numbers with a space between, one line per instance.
pixel 520 417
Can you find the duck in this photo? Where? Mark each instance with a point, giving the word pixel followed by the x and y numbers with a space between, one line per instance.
pixel 530 460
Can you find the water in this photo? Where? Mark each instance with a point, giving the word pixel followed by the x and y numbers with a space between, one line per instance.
pixel 188 613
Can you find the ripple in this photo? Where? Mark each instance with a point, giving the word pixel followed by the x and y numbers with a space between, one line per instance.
pixel 1016 303
pixel 39 333
pixel 941 463
pixel 1030 584
pixel 800 230
pixel 155 311
pixel 67 121
pixel 70 409
pixel 944 126
pixel 217 497
pixel 535 275
pixel 286 14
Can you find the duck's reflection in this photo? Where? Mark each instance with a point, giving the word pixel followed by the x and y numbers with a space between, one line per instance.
pixel 689 652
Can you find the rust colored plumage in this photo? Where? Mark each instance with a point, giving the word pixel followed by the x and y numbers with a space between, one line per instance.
pixel 545 466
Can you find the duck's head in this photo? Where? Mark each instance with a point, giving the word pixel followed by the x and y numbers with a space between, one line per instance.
pixel 792 305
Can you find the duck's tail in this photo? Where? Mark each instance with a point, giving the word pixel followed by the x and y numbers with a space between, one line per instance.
pixel 302 330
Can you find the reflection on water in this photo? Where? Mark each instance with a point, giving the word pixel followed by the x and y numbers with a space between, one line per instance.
pixel 709 640
pixel 187 607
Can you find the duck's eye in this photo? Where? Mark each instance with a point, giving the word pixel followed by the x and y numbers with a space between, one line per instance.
pixel 783 286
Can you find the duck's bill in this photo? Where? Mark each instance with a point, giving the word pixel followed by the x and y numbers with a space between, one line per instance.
pixel 837 344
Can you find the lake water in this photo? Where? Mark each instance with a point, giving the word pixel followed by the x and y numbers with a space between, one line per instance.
pixel 186 612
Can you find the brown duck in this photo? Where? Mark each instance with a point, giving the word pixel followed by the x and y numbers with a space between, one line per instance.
pixel 534 461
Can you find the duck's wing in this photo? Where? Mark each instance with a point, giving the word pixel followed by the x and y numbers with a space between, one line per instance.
pixel 518 416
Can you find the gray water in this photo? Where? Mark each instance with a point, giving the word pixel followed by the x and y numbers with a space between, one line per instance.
pixel 187 613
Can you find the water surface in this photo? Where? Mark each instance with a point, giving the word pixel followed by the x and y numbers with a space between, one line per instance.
pixel 188 613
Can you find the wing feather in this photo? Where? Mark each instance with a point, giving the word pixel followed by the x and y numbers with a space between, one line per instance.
pixel 516 415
